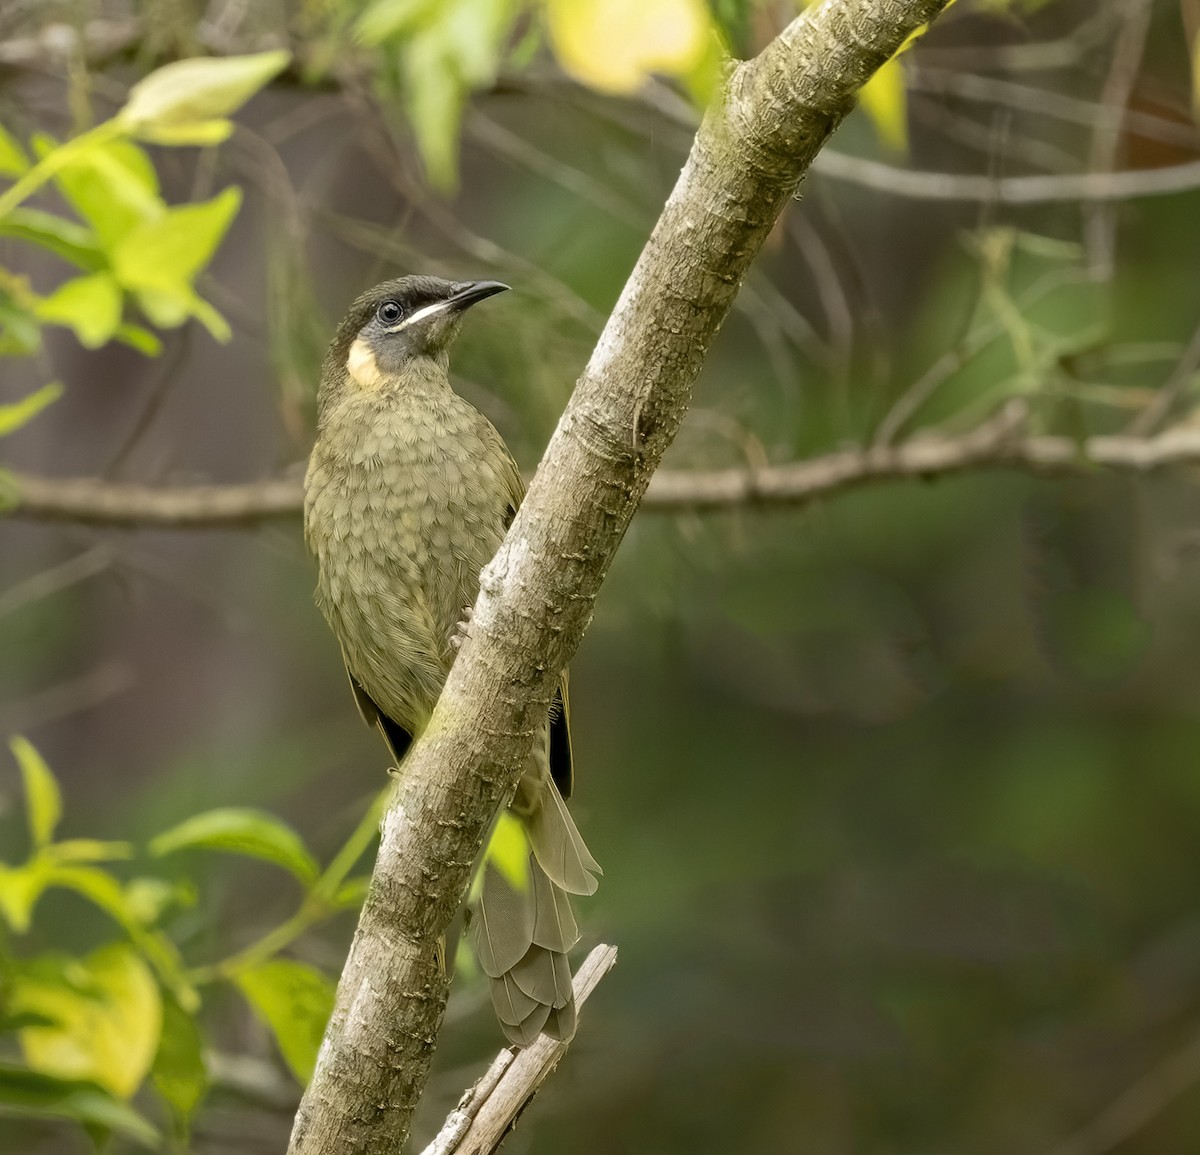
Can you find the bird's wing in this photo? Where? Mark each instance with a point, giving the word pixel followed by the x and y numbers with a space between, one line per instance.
pixel 395 735
pixel 562 768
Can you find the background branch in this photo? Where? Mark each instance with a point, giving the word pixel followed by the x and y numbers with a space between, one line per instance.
pixel 998 443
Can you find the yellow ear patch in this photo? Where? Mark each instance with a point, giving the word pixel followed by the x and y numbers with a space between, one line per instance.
pixel 362 366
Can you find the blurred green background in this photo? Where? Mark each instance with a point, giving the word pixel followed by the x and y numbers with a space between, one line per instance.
pixel 897 794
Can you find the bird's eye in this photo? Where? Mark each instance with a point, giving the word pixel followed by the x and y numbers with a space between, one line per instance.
pixel 389 312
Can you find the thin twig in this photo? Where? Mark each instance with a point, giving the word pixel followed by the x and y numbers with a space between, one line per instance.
pixel 489 1110
pixel 1011 190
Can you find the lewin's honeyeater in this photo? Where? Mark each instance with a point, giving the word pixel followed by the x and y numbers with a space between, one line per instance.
pixel 408 495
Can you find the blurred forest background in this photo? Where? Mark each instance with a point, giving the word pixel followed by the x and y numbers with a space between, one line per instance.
pixel 897 791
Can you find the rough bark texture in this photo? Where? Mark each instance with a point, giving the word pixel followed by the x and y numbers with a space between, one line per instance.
pixel 536 595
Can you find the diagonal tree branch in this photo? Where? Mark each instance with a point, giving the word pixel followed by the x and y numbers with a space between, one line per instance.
pixel 1001 442
pixel 537 594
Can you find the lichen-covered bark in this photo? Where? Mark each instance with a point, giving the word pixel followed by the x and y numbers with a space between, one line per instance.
pixel 537 594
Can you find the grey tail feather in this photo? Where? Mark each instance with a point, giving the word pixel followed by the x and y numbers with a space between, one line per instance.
pixel 559 846
pixel 521 938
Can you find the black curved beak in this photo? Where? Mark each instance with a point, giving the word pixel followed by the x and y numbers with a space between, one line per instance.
pixel 468 293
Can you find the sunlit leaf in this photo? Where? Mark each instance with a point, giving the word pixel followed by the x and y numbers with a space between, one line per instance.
pixel 91 306
pixel 32 1094
pixel 615 45
pixel 295 1001
pixel 43 799
pixel 139 338
pixel 353 892
pixel 20 333
pixel 67 239
pixel 107 1014
pixel 200 133
pixel 20 889
pixel 169 251
pixel 18 413
pixel 13 161
pixel 241 831
pixel 88 850
pixel 112 186
pixel 179 1073
pixel 884 99
pixel 394 18
pixel 191 92
pixel 508 851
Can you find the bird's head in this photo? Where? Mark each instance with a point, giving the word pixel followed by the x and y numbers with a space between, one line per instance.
pixel 399 322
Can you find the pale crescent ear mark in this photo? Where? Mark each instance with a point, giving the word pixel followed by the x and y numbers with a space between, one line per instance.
pixel 362 366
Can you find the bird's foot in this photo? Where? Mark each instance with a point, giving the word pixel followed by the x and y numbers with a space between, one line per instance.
pixel 462 628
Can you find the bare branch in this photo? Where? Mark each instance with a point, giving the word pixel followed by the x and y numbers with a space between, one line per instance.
pixel 999 443
pixel 489 1110
pixel 1010 190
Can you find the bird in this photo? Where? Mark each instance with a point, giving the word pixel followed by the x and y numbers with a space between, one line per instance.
pixel 409 492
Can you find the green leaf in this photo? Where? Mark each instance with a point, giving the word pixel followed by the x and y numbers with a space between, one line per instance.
pixel 88 850
pixel 20 333
pixel 13 161
pixel 91 306
pixel 138 338
pixel 191 92
pixel 20 889
pixel 242 831
pixel 43 800
pixel 179 1073
pixel 166 253
pixel 107 1015
pixel 18 413
pixel 295 1001
pixel 393 18
pixel 352 893
pixel 508 850
pixel 618 55
pixel 112 185
pixel 32 1094
pixel 444 48
pixel 200 133
pixel 67 239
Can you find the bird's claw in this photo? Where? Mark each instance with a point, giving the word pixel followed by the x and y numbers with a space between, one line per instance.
pixel 462 628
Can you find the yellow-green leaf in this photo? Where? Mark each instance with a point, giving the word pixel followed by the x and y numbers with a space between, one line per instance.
pixel 166 253
pixel 295 1001
pixel 34 1095
pixel 200 133
pixel 90 305
pixel 198 91
pixel 43 799
pixel 508 850
pixel 884 99
pixel 20 888
pixel 242 831
pixel 106 1014
pixel 18 413
pixel 614 45
pixel 13 161
pixel 112 185
pixel 179 1072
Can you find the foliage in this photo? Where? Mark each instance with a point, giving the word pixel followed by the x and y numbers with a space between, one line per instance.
pixel 96 1029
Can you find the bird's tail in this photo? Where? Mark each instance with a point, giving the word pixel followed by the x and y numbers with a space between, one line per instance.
pixel 522 926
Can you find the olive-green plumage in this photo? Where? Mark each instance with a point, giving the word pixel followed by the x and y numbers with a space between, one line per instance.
pixel 409 493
